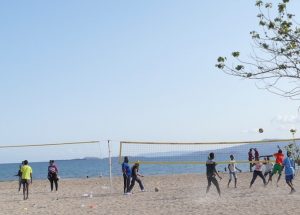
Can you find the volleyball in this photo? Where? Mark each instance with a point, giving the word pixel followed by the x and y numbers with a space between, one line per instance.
pixel 260 130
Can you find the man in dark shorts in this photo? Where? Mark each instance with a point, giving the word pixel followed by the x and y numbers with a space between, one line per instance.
pixel 26 178
pixel 211 173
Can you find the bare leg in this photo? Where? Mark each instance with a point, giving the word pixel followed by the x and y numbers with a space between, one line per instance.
pixel 290 185
pixel 253 178
pixel 215 182
pixel 20 184
pixel 56 184
pixel 278 179
pixel 208 185
pixel 270 178
pixel 27 189
pixel 24 190
pixel 228 182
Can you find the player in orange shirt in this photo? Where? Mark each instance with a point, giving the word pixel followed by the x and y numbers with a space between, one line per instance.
pixel 278 165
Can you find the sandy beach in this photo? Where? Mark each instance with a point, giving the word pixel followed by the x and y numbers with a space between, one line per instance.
pixel 178 194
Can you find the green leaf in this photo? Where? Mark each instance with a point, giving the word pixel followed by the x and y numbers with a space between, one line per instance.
pixel 282 66
pixel 258 3
pixel 277 19
pixel 262 23
pixel 220 65
pixel 265 46
pixel 268 5
pixel 235 54
pixel 293 45
pixel 260 15
pixel 221 59
pixel 281 7
pixel 271 25
pixel 239 67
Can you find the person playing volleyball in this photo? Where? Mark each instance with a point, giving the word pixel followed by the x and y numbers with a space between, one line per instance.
pixel 211 173
pixel 278 165
pixel 289 166
pixel 232 168
pixel 26 178
pixel 258 172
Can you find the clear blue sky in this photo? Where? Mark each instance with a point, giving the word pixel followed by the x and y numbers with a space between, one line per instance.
pixel 129 70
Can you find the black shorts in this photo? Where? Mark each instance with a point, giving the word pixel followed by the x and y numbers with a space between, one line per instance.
pixel 25 181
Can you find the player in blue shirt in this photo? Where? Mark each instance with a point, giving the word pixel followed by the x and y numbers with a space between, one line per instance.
pixel 289 166
pixel 126 175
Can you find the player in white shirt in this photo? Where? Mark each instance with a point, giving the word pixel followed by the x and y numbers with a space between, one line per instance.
pixel 268 168
pixel 232 168
pixel 258 172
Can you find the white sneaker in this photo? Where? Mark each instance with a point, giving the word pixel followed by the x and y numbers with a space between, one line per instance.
pixel 143 190
pixel 128 193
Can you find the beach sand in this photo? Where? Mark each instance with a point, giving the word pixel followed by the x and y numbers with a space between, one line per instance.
pixel 178 194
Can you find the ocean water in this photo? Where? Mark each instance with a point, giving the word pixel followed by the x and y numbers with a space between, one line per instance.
pixel 99 168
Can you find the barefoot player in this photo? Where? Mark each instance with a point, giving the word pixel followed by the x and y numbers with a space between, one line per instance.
pixel 211 173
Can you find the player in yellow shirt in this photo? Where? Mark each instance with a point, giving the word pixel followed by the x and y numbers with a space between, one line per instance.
pixel 26 178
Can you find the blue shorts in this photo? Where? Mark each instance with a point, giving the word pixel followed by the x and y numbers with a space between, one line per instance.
pixel 289 178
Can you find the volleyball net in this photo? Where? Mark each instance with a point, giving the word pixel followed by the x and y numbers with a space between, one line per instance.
pixel 76 159
pixel 52 151
pixel 197 152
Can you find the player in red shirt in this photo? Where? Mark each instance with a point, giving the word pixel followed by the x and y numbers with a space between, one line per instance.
pixel 278 165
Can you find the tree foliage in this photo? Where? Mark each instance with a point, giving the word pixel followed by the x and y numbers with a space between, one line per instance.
pixel 294 148
pixel 275 60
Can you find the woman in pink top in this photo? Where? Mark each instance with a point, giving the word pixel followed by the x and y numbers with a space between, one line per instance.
pixel 258 172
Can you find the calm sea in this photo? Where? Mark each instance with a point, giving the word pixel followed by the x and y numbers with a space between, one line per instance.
pixel 97 168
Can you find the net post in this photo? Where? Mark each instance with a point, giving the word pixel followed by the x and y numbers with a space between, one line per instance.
pixel 120 152
pixel 110 172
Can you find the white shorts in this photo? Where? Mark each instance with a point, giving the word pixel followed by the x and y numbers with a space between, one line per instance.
pixel 232 174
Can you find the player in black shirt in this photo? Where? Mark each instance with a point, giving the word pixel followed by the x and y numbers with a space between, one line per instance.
pixel 134 177
pixel 211 173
